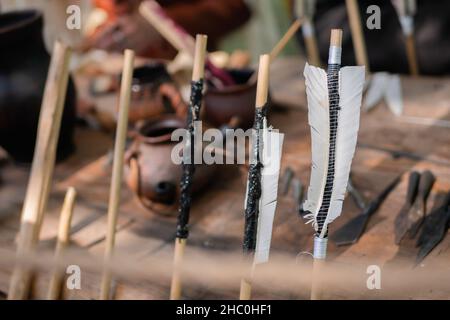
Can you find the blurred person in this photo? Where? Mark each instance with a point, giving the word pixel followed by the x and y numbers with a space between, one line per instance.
pixel 126 28
pixel 386 46
pixel 55 18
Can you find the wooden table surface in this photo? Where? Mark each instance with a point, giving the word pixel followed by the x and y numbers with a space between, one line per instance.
pixel 217 213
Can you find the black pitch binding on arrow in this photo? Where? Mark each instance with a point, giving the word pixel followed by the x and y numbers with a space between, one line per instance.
pixel 254 185
pixel 333 94
pixel 189 168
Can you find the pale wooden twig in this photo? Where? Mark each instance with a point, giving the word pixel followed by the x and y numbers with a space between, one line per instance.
pixel 411 55
pixel 54 290
pixel 311 43
pixel 262 92
pixel 116 180
pixel 285 39
pixel 43 164
pixel 406 10
pixel 175 287
pixel 245 292
pixel 305 9
pixel 359 43
pixel 316 287
pixel 319 263
pixel 280 45
pixel 197 74
pixel 155 15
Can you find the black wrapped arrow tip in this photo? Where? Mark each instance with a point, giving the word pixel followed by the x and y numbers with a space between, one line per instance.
pixel 254 185
pixel 189 168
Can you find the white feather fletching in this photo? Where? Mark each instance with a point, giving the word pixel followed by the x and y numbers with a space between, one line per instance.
pixel 394 97
pixel 384 86
pixel 351 82
pixel 271 158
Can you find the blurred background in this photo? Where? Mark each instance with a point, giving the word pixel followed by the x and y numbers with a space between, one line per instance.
pixel 405 118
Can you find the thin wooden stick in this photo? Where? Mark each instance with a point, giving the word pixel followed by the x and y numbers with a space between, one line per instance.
pixel 285 39
pixel 55 287
pixel 411 55
pixel 305 9
pixel 320 244
pixel 406 10
pixel 280 44
pixel 175 288
pixel 42 168
pixel 311 43
pixel 200 57
pixel 359 43
pixel 155 15
pixel 198 73
pixel 116 181
pixel 246 289
pixel 262 92
pixel 316 287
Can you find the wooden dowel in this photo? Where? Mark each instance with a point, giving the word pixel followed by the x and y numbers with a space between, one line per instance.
pixel 411 55
pixel 198 73
pixel 285 39
pixel 312 49
pixel 175 288
pixel 42 167
pixel 200 56
pixel 280 45
pixel 155 15
pixel 116 180
pixel 320 244
pixel 357 34
pixel 316 287
pixel 336 38
pixel 262 92
pixel 306 10
pixel 246 290
pixel 55 287
pixel 262 89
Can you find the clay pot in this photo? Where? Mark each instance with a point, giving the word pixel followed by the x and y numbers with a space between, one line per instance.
pixel 24 63
pixel 154 93
pixel 149 170
pixel 221 105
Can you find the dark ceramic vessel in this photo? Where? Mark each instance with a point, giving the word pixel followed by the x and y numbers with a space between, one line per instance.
pixel 236 101
pixel 150 171
pixel 24 63
pixel 154 93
